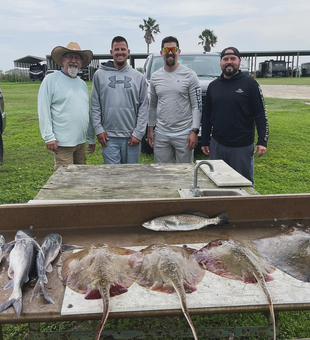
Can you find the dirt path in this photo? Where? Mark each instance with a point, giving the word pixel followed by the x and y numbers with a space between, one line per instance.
pixel 286 91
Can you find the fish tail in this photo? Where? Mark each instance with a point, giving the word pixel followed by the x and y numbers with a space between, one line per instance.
pixel 36 290
pixel 262 284
pixel 15 299
pixel 39 287
pixel 105 293
pixel 222 218
pixel 181 294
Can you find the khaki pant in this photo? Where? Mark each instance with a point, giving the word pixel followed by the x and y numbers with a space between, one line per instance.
pixel 69 155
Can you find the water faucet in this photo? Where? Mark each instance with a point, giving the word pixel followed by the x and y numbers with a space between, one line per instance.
pixel 194 188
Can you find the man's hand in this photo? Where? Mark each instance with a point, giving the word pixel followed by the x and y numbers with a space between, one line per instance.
pixel 102 138
pixel 150 136
pixel 205 150
pixel 261 150
pixel 52 145
pixel 192 141
pixel 133 141
pixel 91 148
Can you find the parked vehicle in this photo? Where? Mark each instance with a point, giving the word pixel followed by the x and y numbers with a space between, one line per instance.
pixel 2 125
pixel 84 74
pixel 49 72
pixel 305 70
pixel 272 68
pixel 245 70
pixel 37 72
pixel 206 65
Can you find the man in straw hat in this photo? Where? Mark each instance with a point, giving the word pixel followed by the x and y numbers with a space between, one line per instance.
pixel 63 107
pixel 119 106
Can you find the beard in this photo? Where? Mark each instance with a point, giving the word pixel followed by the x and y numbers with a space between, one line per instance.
pixel 170 62
pixel 230 73
pixel 73 70
pixel 120 63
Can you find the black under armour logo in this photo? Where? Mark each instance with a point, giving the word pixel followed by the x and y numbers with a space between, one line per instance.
pixel 126 82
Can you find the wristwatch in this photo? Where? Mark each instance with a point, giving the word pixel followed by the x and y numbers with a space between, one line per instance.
pixel 195 130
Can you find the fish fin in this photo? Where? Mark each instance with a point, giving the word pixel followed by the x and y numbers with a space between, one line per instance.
pixel 37 246
pixel 189 288
pixel 16 300
pixel 18 305
pixel 92 294
pixel 46 297
pixel 6 249
pixel 49 268
pixel 223 218
pixel 196 213
pixel 117 289
pixel 39 287
pixel 9 285
pixel 67 247
pixel 6 304
pixel 36 290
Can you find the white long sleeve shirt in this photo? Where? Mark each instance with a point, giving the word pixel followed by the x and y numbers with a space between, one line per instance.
pixel 63 109
pixel 175 100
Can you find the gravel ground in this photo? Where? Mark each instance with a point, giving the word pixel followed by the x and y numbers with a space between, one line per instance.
pixel 286 91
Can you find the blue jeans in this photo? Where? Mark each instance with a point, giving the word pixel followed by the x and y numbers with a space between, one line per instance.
pixel 118 151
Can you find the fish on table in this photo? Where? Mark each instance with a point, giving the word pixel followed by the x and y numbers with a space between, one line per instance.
pixel 184 222
pixel 51 246
pixel 21 261
pixel 229 259
pixel 2 242
pixel 288 251
pixel 170 269
pixel 100 272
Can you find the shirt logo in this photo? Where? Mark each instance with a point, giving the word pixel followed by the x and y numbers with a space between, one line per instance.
pixel 113 82
pixel 198 97
pixel 239 91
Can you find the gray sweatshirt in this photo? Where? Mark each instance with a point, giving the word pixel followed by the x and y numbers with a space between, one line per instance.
pixel 175 100
pixel 119 101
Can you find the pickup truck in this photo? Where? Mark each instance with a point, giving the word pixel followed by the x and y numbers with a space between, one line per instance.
pixel 206 66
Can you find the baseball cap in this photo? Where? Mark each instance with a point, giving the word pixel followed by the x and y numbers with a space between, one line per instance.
pixel 234 49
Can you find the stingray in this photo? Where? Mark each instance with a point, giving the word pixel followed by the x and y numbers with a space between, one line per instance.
pixel 170 269
pixel 100 272
pixel 289 251
pixel 229 259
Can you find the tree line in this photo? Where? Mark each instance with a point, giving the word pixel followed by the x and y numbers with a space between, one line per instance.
pixel 151 28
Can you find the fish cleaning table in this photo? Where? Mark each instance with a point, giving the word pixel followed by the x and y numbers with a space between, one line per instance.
pixel 126 181
pixel 118 221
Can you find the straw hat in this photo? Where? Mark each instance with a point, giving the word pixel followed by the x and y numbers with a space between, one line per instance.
pixel 59 51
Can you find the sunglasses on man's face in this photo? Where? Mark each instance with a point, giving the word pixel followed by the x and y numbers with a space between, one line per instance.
pixel 172 49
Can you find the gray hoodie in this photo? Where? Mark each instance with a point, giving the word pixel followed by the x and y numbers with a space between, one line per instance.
pixel 119 101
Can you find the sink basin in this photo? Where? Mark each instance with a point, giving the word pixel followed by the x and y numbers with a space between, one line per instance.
pixel 186 193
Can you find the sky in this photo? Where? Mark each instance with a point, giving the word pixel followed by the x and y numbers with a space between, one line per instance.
pixel 33 27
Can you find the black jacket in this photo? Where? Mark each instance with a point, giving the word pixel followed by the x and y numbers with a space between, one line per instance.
pixel 231 109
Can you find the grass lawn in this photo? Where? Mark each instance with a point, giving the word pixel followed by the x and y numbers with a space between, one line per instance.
pixel 284 81
pixel 284 169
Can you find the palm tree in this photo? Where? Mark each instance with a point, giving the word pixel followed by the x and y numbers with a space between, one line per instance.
pixel 150 29
pixel 208 39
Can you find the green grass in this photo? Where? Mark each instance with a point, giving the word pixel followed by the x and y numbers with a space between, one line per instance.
pixel 283 169
pixel 284 81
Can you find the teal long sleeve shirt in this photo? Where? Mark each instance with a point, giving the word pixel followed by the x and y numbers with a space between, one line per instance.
pixel 63 109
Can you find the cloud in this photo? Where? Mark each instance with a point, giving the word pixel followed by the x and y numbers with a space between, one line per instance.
pixel 34 27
